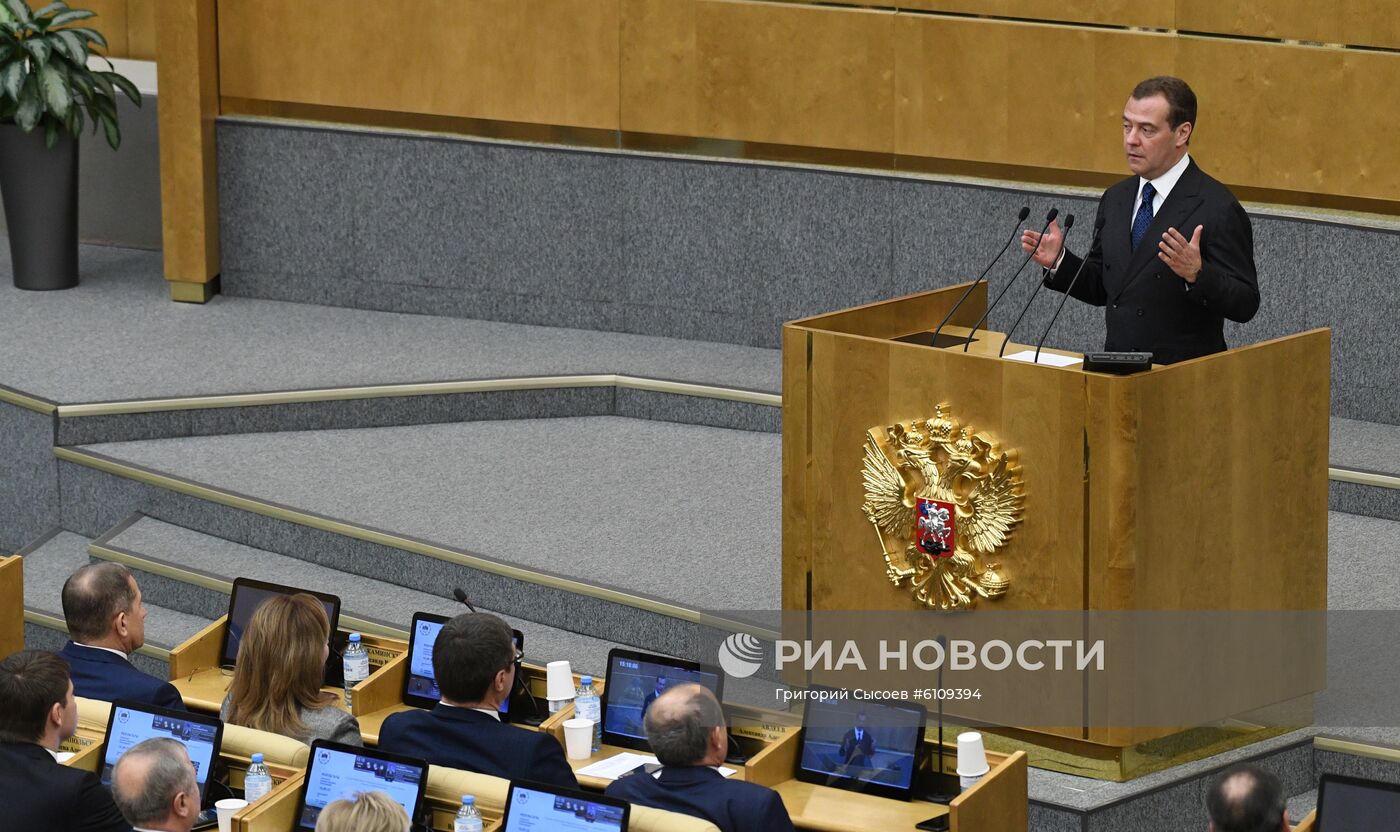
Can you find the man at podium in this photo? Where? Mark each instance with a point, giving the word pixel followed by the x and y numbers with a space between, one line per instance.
pixel 1176 253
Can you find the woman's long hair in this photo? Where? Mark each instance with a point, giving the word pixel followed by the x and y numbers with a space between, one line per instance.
pixel 281 666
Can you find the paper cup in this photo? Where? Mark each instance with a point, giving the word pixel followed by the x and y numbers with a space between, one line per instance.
pixel 226 809
pixel 559 685
pixel 972 758
pixel 578 738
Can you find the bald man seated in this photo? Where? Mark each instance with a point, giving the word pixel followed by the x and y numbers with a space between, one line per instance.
pixel 687 732
pixel 155 788
pixel 1246 798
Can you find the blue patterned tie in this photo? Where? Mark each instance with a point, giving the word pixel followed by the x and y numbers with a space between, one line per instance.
pixel 1144 214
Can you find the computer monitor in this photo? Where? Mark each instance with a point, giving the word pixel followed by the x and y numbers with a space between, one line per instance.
pixel 335 770
pixel 534 807
pixel 248 595
pixel 420 687
pixel 1351 804
pixel 133 722
pixel 860 745
pixel 634 681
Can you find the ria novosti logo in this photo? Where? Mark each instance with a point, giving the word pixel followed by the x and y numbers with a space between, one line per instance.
pixel 741 655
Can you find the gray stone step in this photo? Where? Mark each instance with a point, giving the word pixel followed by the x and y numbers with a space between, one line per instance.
pixel 193 572
pixel 1365 461
pixel 47 564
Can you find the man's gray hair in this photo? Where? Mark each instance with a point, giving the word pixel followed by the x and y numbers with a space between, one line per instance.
pixel 681 735
pixel 167 775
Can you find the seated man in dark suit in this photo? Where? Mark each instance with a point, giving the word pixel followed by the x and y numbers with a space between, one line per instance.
pixel 37 713
pixel 686 729
pixel 107 622
pixel 474 661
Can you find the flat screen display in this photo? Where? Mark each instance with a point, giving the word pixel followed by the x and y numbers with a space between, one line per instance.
pixel 248 595
pixel 634 681
pixel 536 808
pixel 1350 804
pixel 337 771
pixel 861 745
pixel 132 723
pixel 420 688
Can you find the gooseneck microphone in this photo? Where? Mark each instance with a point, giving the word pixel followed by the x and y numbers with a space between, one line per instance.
pixel 1020 218
pixel 1093 241
pixel 1069 223
pixel 462 597
pixel 1049 218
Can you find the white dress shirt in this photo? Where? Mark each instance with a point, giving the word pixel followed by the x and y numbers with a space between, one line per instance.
pixel 124 656
pixel 1162 185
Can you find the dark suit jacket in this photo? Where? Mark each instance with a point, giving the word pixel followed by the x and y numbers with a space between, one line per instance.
pixel 39 793
pixel 702 792
pixel 857 753
pixel 470 740
pixel 98 674
pixel 1147 306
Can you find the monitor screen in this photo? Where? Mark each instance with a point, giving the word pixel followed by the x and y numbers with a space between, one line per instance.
pixel 857 744
pixel 634 681
pixel 1350 804
pixel 537 808
pixel 132 723
pixel 338 771
pixel 420 686
pixel 248 595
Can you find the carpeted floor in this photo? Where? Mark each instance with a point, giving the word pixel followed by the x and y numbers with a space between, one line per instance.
pixel 117 336
pixel 679 512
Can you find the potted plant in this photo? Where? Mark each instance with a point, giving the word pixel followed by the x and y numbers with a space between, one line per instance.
pixel 47 96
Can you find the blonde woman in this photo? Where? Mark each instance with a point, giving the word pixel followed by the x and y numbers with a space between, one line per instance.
pixel 277 680
pixel 363 812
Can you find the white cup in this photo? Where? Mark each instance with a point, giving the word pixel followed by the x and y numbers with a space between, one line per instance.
pixel 972 759
pixel 559 685
pixel 226 809
pixel 578 738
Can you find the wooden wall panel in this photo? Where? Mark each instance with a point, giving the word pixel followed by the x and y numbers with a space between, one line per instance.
pixel 536 61
pixel 762 72
pixel 1017 93
pixel 1154 14
pixel 141 29
pixel 1294 118
pixel 1353 22
pixel 111 21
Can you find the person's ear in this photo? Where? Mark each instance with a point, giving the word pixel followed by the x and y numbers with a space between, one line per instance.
pixel 120 623
pixel 1183 132
pixel 56 714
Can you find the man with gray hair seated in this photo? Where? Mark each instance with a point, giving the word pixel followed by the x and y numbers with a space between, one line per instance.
pixel 687 732
pixel 155 788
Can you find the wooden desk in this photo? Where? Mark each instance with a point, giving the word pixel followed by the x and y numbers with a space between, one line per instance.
pixel 11 605
pixel 836 810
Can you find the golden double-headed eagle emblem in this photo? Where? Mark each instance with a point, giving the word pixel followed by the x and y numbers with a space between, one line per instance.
pixel 943 499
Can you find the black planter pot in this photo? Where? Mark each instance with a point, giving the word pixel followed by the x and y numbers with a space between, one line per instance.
pixel 40 189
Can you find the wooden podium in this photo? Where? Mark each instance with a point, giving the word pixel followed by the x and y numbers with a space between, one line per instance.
pixel 1196 486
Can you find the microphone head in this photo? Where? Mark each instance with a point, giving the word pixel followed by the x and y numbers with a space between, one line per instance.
pixel 460 595
pixel 1054 212
pixel 1025 212
pixel 1069 221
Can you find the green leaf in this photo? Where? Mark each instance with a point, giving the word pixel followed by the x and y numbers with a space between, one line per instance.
pixel 51 9
pixel 103 106
pixel 114 133
pixel 71 16
pixel 75 46
pixel 124 85
pixel 19 10
pixel 54 86
pixel 7 49
pixel 90 34
pixel 31 106
pixel 12 77
pixel 51 129
pixel 38 48
pixel 103 83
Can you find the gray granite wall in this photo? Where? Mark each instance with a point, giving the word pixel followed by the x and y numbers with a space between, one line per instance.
pixel 708 250
pixel 29 485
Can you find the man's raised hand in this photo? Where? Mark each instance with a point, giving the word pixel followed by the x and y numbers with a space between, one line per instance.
pixel 1050 244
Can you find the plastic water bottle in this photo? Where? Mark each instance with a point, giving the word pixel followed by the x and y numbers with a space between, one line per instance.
pixel 356 665
pixel 468 818
pixel 587 705
pixel 258 782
